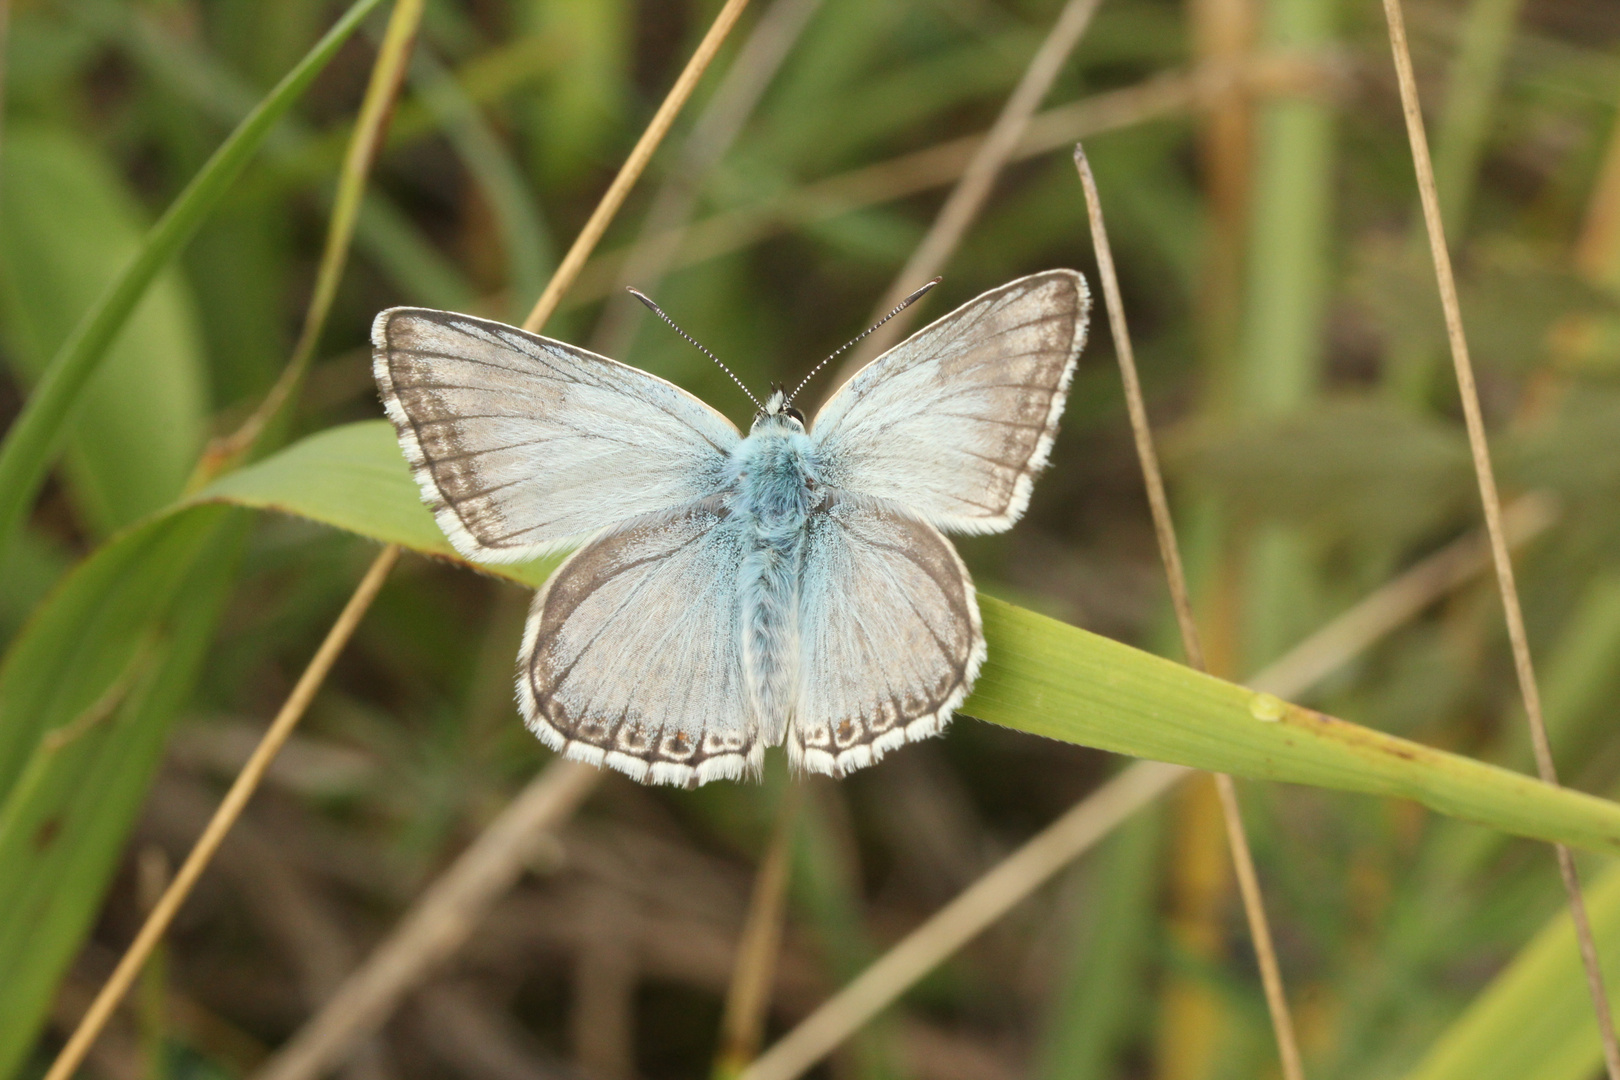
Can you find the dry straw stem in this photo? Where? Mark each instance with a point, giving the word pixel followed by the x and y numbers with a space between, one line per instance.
pixel 440 921
pixel 1164 528
pixel 965 201
pixel 921 170
pixel 72 1055
pixel 1090 820
pixel 631 171
pixel 436 926
pixel 1483 471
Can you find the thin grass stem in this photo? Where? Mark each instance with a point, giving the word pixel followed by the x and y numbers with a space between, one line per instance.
pixel 967 199
pixel 447 912
pixel 1170 552
pixel 1479 450
pixel 370 132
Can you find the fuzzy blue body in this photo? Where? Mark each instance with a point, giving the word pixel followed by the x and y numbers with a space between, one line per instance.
pixel 775 488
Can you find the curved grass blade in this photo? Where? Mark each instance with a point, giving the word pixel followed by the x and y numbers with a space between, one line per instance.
pixel 386 76
pixel 68 221
pixel 34 438
pixel 1534 1021
pixel 1043 676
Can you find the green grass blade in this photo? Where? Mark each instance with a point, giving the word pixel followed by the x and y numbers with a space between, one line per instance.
pixel 353 477
pixel 1473 90
pixel 1043 676
pixel 87 695
pixel 1534 1021
pixel 32 442
pixel 1048 678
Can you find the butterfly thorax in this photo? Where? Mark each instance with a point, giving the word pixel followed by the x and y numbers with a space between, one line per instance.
pixel 775 476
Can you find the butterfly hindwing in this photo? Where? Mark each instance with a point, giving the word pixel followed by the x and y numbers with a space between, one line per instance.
pixel 890 635
pixel 956 421
pixel 522 445
pixel 632 654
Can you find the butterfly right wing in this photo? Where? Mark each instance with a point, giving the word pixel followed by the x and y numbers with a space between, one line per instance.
pixel 632 655
pixel 523 445
pixel 956 421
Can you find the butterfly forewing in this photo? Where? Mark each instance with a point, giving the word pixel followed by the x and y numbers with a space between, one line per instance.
pixel 890 634
pixel 522 445
pixel 631 656
pixel 956 421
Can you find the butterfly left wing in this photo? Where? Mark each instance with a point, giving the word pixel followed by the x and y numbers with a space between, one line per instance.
pixel 632 654
pixel 956 421
pixel 522 445
pixel 889 631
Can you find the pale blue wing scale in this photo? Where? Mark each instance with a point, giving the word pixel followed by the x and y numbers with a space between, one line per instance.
pixel 956 421
pixel 632 656
pixel 890 635
pixel 523 445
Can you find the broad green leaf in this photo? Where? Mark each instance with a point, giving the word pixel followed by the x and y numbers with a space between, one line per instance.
pixel 88 693
pixel 1534 1021
pixel 353 477
pixel 36 435
pixel 67 224
pixel 1043 676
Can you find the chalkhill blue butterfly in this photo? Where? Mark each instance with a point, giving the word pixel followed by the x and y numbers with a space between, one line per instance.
pixel 729 593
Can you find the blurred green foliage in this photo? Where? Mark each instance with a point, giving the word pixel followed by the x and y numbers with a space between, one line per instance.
pixel 1311 429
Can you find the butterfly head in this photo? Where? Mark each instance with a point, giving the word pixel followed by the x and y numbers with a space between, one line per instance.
pixel 777 412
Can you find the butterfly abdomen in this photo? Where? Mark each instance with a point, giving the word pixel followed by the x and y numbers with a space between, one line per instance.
pixel 774 492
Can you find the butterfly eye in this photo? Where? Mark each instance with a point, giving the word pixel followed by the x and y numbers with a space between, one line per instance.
pixel 794 413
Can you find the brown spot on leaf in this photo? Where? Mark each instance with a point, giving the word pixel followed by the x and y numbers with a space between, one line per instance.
pixel 47 833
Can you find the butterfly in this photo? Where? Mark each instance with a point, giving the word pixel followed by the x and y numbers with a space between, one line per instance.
pixel 728 593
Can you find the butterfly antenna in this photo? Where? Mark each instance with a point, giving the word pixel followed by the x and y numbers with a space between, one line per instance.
pixel 656 310
pixel 907 302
